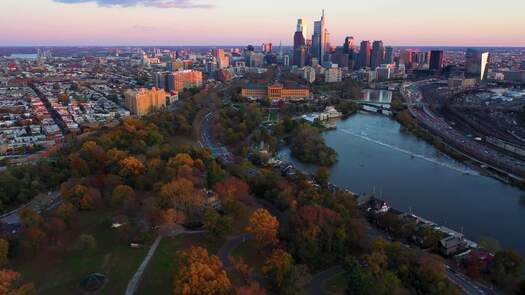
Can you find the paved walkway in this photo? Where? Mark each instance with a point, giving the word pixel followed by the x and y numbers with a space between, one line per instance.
pixel 137 277
pixel 134 282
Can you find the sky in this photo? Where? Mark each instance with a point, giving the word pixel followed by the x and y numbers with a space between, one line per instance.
pixel 242 22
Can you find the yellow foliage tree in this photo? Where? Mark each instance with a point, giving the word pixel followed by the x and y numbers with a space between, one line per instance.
pixel 199 274
pixel 265 226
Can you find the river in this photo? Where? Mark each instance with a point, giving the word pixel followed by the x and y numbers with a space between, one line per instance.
pixel 375 153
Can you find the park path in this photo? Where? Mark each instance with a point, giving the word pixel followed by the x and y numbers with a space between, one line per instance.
pixel 137 277
pixel 135 280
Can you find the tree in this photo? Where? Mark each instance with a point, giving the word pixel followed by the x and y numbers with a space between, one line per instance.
pixel 282 272
pixel 122 194
pixel 323 176
pixel 131 166
pixel 357 278
pixel 218 226
pixel 182 195
pixel 242 269
pixel 264 226
pixel 506 267
pixel 4 250
pixel 10 284
pixel 80 196
pixel 30 217
pixel 232 189
pixel 199 273
pixel 181 159
pixel 79 167
pixel 171 218
pixel 65 211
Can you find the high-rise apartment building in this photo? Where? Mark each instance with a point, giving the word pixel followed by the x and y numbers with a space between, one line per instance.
pixel 142 101
pixel 222 59
pixel 364 54
pixel 436 59
pixel 406 58
pixel 477 63
pixel 378 54
pixel 389 55
pixel 181 80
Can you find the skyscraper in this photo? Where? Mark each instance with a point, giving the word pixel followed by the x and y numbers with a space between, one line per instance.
pixel 222 59
pixel 389 55
pixel 349 45
pixel 364 54
pixel 436 59
pixel 320 39
pixel 477 63
pixel 378 54
pixel 302 27
pixel 299 45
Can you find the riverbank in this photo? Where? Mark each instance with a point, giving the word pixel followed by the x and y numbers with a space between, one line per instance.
pixel 412 175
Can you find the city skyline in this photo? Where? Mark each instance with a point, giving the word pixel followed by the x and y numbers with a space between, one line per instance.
pixel 227 22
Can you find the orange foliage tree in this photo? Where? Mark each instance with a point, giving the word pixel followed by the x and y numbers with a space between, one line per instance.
pixel 265 226
pixel 184 196
pixel 10 284
pixel 199 273
pixel 80 196
pixel 232 189
pixel 131 166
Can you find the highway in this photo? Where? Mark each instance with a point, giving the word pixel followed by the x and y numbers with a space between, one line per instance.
pixel 471 148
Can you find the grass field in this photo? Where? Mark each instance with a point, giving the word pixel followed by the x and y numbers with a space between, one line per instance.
pixel 249 252
pixel 336 285
pixel 158 277
pixel 60 271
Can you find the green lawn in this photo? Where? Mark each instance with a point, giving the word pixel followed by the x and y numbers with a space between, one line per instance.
pixel 60 271
pixel 251 255
pixel 158 277
pixel 336 285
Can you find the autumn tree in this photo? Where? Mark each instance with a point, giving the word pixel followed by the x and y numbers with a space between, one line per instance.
pixel 131 167
pixel 65 211
pixel 170 218
pixel 80 196
pixel 30 217
pixel 232 189
pixel 184 196
pixel 199 273
pixel 242 269
pixel 10 284
pixel 282 272
pixel 264 226
pixel 79 167
pixel 122 194
pixel 506 267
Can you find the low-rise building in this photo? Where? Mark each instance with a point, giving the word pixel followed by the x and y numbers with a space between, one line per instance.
pixel 276 92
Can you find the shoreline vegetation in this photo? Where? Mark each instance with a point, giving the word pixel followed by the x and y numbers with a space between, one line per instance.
pixel 308 146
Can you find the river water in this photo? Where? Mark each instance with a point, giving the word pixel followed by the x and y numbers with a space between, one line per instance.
pixel 375 154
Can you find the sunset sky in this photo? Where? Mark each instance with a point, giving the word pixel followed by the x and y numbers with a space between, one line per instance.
pixel 241 22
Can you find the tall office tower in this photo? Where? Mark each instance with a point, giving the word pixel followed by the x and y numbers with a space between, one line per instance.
pixel 477 63
pixel 436 59
pixel 222 59
pixel 267 47
pixel 349 45
pixel 286 60
pixel 378 54
pixel 142 101
pixel 523 65
pixel 299 45
pixel 406 58
pixel 300 57
pixel 319 39
pixel 389 55
pixel 364 55
pixel 303 28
